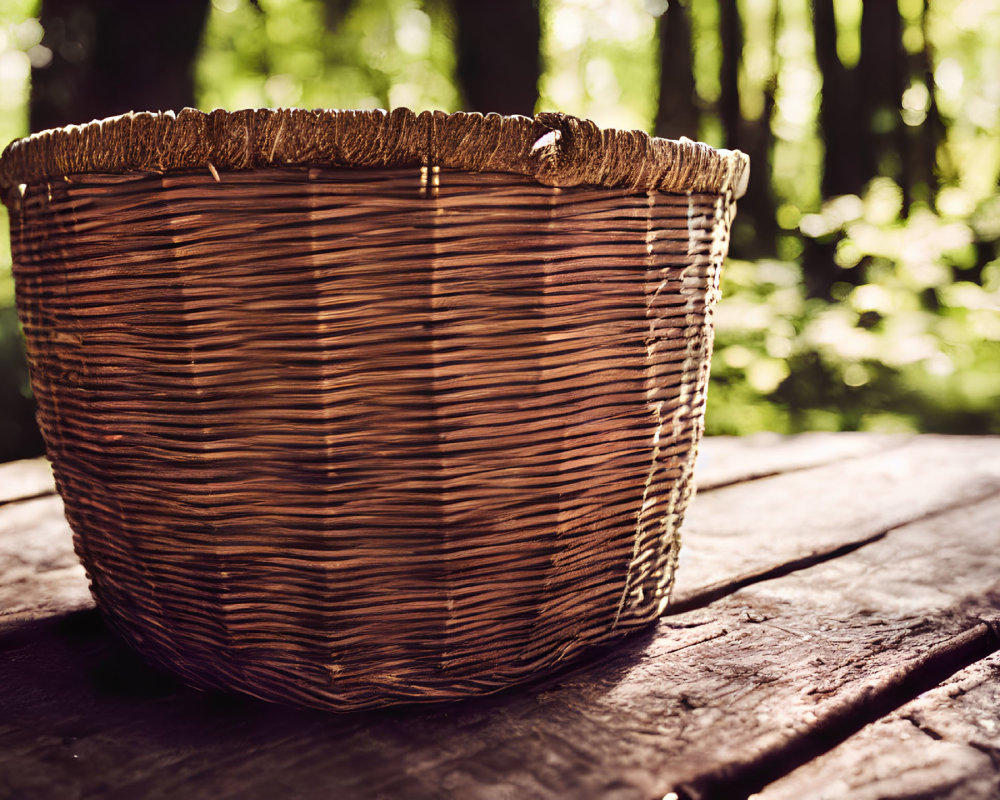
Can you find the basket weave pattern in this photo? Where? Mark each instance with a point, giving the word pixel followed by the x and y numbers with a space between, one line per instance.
pixel 347 436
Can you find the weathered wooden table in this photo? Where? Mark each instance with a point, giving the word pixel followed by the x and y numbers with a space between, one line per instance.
pixel 834 634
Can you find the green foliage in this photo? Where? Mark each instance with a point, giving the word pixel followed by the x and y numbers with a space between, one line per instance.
pixel 20 46
pixel 306 53
pixel 600 60
pixel 911 340
pixel 904 347
pixel 20 43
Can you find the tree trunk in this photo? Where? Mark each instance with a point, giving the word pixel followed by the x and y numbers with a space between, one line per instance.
pixel 731 39
pixel 113 56
pixel 498 55
pixel 843 172
pixel 881 75
pixel 931 135
pixel 756 230
pixel 677 113
pixel 334 11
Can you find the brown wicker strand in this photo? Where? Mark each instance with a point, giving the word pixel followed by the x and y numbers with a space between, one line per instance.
pixel 355 408
pixel 554 149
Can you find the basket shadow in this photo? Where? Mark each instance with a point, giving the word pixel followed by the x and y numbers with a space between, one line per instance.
pixel 87 710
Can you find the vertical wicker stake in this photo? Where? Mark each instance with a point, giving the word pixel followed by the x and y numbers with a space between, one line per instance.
pixel 354 408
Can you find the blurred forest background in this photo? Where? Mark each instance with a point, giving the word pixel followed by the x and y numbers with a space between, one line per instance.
pixel 863 287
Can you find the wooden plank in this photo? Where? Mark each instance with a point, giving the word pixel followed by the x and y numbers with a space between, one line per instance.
pixel 725 460
pixel 25 479
pixel 748 529
pixel 39 572
pixel 594 733
pixel 857 628
pixel 945 744
pixel 709 703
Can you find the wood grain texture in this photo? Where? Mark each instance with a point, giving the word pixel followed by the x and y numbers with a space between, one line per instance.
pixel 945 744
pixel 752 526
pixel 39 572
pixel 24 479
pixel 727 460
pixel 897 600
pixel 718 701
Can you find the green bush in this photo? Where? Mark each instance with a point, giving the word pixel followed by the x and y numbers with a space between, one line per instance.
pixel 903 347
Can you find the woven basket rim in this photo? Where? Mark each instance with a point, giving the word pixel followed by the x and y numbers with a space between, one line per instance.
pixel 554 149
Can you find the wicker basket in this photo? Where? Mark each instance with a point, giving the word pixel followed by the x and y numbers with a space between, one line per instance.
pixel 353 408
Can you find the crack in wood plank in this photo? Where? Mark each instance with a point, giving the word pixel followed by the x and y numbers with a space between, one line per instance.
pixel 742 532
pixel 24 480
pixel 953 757
pixel 26 498
pixel 725 461
pixel 845 716
pixel 790 467
pixel 927 730
pixel 699 598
